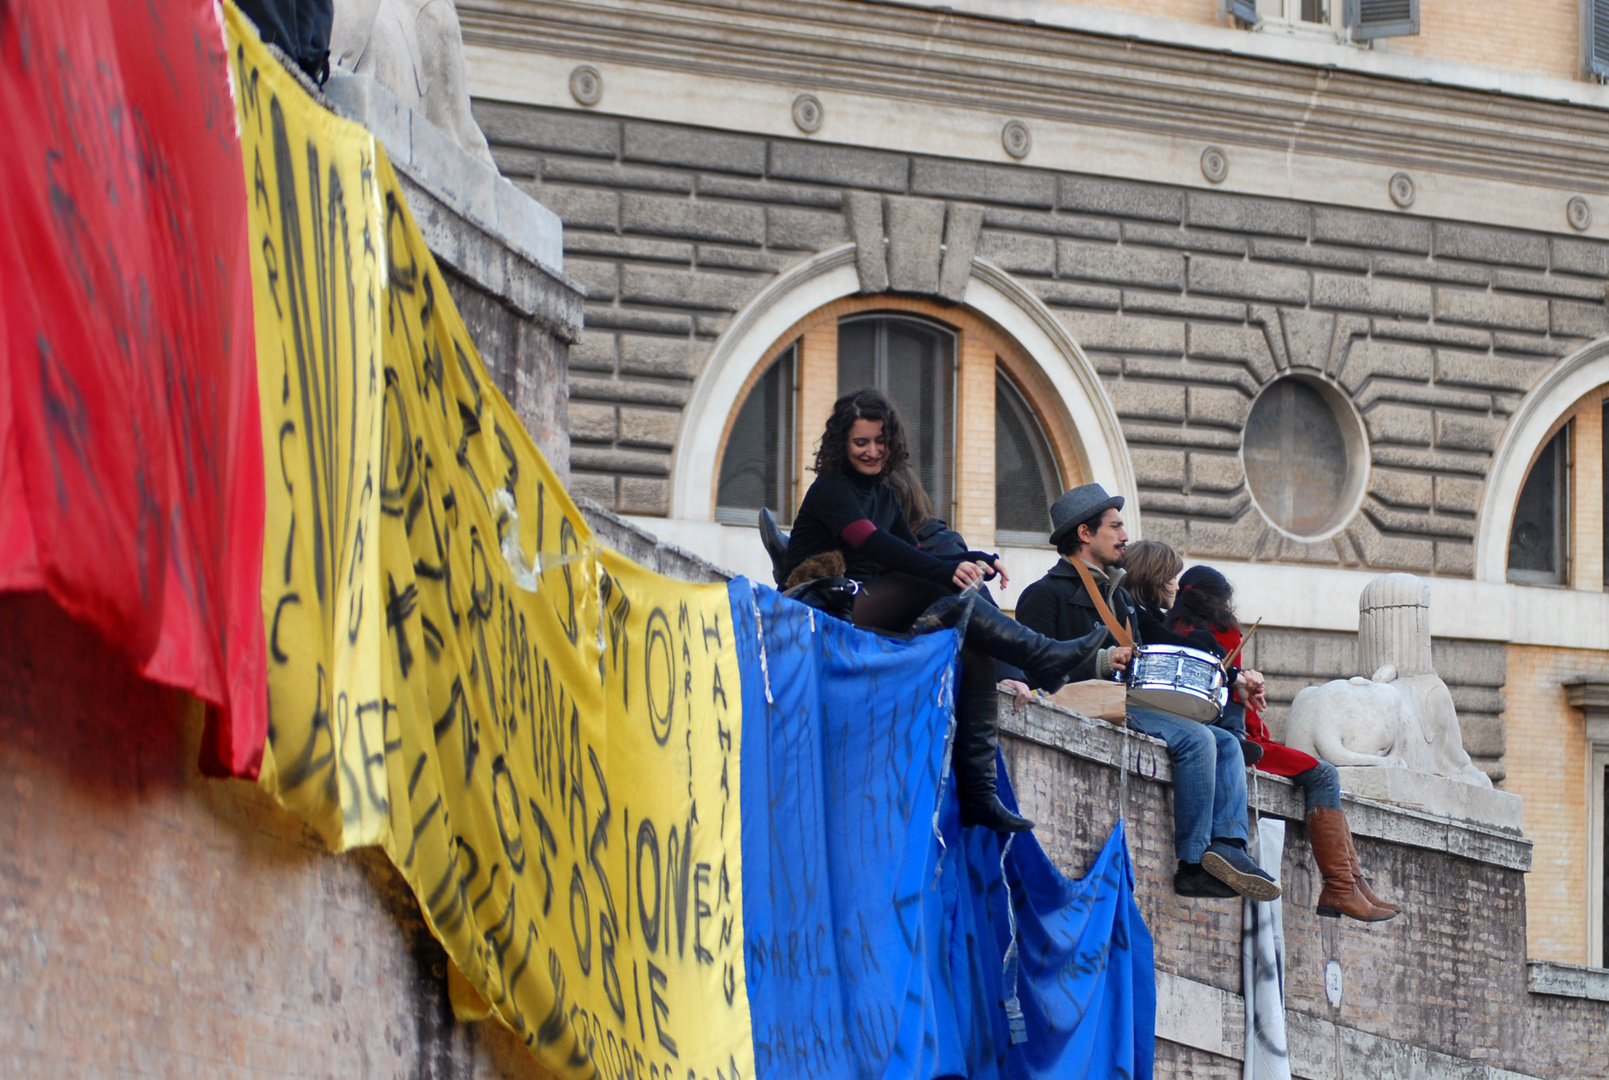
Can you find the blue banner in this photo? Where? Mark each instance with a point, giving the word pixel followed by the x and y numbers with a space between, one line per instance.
pixel 882 940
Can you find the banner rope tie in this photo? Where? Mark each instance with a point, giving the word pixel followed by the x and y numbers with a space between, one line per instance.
pixel 1015 1021
pixel 759 635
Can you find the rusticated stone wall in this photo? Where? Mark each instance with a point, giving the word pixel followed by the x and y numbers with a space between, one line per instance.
pixel 1187 301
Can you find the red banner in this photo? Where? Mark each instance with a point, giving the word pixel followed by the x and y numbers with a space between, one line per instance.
pixel 131 485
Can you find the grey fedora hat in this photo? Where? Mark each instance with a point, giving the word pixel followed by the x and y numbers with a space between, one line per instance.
pixel 1078 506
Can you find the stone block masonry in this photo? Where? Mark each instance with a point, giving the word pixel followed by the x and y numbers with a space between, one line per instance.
pixel 1187 302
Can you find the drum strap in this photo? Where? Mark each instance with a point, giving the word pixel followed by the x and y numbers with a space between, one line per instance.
pixel 1123 636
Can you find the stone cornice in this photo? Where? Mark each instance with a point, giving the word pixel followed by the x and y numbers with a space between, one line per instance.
pixel 1590 694
pixel 1070 76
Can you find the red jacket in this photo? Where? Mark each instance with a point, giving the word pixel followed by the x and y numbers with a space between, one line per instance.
pixel 1278 758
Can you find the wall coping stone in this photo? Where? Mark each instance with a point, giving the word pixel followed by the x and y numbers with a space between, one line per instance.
pixel 1567 980
pixel 1096 740
pixel 472 218
pixel 636 542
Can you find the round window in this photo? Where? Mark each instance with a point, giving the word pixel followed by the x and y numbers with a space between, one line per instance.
pixel 1305 456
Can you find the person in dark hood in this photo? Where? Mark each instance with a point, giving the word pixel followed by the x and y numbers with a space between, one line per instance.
pixel 933 534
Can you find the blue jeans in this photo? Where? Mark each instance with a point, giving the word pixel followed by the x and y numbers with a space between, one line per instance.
pixel 1322 786
pixel 1209 780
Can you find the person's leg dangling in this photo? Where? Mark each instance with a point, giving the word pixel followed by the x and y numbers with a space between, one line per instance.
pixel 976 741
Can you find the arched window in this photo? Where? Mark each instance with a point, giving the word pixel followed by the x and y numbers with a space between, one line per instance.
pixel 980 441
pixel 763 474
pixel 913 362
pixel 1557 534
pixel 1538 541
pixel 1026 480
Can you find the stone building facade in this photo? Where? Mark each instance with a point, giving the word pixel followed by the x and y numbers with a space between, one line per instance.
pixel 1319 312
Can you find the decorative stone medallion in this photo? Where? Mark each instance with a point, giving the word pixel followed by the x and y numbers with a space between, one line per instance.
pixel 808 113
pixel 586 85
pixel 1579 213
pixel 1214 164
pixel 1401 189
pixel 1016 139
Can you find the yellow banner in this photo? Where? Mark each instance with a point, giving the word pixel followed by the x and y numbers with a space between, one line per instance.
pixel 544 738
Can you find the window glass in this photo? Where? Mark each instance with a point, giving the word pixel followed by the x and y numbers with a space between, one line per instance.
pixel 1603 949
pixel 913 362
pixel 1296 458
pixel 757 469
pixel 1026 480
pixel 1536 550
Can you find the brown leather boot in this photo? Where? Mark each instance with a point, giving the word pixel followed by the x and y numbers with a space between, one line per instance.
pixel 1363 886
pixel 1333 851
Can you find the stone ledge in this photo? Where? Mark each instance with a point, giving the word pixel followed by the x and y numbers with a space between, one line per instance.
pixel 646 549
pixel 1202 1017
pixel 1437 795
pixel 473 219
pixel 1567 980
pixel 1107 744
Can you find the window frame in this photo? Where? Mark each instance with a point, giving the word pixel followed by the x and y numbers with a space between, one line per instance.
pixel 1011 537
pixel 1564 511
pixel 1597 854
pixel 982 347
pixel 741 515
pixel 944 499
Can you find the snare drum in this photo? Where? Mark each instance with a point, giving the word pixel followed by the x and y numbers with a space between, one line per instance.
pixel 1175 679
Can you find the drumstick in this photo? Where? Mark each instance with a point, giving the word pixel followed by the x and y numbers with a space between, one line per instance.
pixel 1230 659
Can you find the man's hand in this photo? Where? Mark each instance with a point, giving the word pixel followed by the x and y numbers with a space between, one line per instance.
pixel 1000 569
pixel 1022 695
pixel 1120 657
pixel 967 574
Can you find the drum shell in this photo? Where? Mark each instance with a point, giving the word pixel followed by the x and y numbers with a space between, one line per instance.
pixel 1178 680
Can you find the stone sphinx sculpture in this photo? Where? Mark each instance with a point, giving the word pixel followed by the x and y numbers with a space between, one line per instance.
pixel 415 49
pixel 1402 715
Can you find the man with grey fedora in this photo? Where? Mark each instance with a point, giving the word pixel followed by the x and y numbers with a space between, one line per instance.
pixel 1083 591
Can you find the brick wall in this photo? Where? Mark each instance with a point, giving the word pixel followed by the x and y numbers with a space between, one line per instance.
pixel 1449 975
pixel 1541 37
pixel 157 925
pixel 1187 302
pixel 1547 766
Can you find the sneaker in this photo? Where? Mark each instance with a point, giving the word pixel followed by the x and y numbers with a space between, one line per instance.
pixel 1192 880
pixel 1232 866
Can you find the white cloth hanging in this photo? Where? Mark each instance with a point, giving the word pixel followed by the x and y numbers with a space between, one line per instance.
pixel 1263 965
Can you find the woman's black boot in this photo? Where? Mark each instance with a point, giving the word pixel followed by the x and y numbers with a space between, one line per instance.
pixel 1047 661
pixel 975 768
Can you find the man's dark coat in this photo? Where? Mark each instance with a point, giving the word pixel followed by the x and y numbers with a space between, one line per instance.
pixel 1058 606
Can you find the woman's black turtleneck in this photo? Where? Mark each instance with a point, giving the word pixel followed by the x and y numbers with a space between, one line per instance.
pixel 860 517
